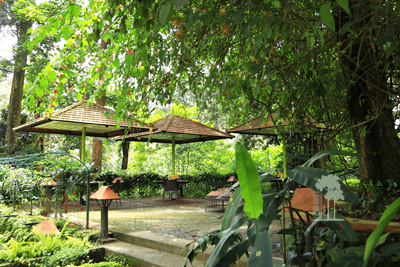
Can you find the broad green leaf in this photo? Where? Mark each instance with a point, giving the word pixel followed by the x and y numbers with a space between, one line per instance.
pixel 344 4
pixel 235 253
pixel 231 208
pixel 79 96
pixel 267 177
pixel 65 33
pixel 225 242
pixel 31 101
pixel 128 58
pixel 39 91
pixel 347 233
pixel 116 63
pixel 373 238
pixel 309 176
pixel 327 16
pixel 44 83
pixel 310 41
pixel 272 202
pixel 143 56
pixel 52 76
pixel 249 182
pixel 328 152
pixel 106 37
pixel 180 3
pixel 30 46
pixel 261 254
pixel 164 12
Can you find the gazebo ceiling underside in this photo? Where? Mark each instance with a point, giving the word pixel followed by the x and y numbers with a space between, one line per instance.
pixel 261 127
pixel 182 130
pixel 73 128
pixel 180 138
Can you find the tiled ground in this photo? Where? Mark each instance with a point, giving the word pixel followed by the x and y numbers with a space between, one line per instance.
pixel 184 218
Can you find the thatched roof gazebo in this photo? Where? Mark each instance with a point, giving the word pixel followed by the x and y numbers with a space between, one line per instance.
pixel 267 126
pixel 98 121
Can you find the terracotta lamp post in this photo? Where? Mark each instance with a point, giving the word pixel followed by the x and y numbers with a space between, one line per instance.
pixel 232 179
pixel 48 184
pixel 46 227
pixel 104 196
pixel 118 179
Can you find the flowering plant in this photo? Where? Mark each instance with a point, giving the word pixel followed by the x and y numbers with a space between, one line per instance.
pixel 173 177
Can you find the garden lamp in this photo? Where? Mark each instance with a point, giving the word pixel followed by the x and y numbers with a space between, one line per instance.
pixel 118 179
pixel 46 227
pixel 232 179
pixel 104 196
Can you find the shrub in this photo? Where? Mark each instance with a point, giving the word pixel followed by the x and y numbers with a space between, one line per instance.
pixel 352 183
pixel 144 184
pixel 66 256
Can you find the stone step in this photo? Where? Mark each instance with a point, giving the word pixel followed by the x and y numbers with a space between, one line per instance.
pixel 164 243
pixel 148 257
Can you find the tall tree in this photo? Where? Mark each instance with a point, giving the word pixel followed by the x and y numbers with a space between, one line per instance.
pixel 17 87
pixel 336 62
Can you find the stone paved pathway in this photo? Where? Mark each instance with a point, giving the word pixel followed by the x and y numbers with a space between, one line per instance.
pixel 184 218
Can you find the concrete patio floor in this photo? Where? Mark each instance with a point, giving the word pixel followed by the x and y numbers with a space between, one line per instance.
pixel 184 218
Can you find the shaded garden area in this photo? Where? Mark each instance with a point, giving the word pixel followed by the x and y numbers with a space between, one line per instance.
pixel 319 78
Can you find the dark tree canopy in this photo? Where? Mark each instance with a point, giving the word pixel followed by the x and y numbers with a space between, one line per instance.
pixel 336 62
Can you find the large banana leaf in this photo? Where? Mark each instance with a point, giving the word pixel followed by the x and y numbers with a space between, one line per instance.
pixel 234 254
pixel 272 202
pixel 249 182
pixel 328 152
pixel 267 177
pixel 225 241
pixel 374 237
pixel 231 209
pixel 261 254
pixel 347 233
pixel 309 176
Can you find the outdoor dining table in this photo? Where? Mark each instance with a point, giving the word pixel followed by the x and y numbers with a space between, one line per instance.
pixel 181 183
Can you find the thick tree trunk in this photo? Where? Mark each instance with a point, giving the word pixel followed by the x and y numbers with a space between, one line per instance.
pixel 17 87
pixel 97 152
pixel 125 155
pixel 369 104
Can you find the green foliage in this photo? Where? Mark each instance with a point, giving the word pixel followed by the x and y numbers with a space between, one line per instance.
pixel 352 183
pixel 229 247
pixel 103 264
pixel 25 140
pixel 376 236
pixel 249 182
pixel 121 260
pixel 144 184
pixel 68 255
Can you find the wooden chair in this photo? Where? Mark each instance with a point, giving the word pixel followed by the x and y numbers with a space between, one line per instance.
pixel 170 187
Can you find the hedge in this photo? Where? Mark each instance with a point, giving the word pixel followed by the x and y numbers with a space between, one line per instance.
pixel 144 184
